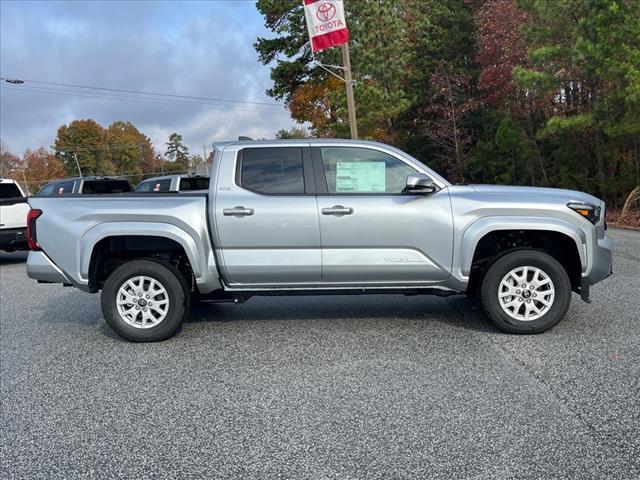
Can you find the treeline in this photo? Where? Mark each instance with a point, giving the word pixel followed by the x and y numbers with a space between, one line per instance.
pixel 84 147
pixel 493 91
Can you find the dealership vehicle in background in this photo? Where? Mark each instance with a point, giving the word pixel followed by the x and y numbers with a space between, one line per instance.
pixel 174 183
pixel 322 217
pixel 13 216
pixel 86 185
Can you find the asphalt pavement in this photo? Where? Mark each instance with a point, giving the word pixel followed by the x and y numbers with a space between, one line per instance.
pixel 342 387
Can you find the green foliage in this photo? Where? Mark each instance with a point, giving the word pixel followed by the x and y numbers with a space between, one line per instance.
pixel 291 134
pixel 573 124
pixel 518 91
pixel 173 167
pixel 176 150
pixel 119 149
pixel 129 150
pixel 82 143
pixel 534 80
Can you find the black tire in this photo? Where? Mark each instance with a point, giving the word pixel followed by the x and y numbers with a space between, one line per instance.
pixel 176 289
pixel 524 258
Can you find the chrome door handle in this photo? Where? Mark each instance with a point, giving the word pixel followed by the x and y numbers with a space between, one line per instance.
pixel 337 210
pixel 237 212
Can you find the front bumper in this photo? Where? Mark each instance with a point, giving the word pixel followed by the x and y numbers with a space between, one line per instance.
pixel 602 265
pixel 601 268
pixel 41 268
pixel 13 239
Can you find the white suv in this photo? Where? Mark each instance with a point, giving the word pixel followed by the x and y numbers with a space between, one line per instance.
pixel 13 216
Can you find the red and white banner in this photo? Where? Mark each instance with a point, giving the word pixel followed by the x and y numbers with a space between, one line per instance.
pixel 326 23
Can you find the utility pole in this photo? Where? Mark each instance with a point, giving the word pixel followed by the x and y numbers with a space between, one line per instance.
pixel 351 104
pixel 206 165
pixel 24 178
pixel 75 156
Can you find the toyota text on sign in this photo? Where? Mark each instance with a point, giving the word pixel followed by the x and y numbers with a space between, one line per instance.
pixel 326 23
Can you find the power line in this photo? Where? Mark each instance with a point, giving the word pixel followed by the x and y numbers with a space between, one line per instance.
pixel 111 175
pixel 140 92
pixel 104 96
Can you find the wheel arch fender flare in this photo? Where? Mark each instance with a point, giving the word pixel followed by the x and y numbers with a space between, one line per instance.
pixel 200 256
pixel 480 228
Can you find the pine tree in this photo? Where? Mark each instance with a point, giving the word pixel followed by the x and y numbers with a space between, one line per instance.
pixel 176 151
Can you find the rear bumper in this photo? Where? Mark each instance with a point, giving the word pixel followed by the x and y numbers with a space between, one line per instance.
pixel 41 268
pixel 13 239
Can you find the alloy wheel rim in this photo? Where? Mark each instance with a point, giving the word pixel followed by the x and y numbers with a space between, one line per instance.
pixel 526 293
pixel 142 302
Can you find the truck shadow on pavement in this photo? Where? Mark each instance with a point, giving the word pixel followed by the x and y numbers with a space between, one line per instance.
pixel 457 311
pixel 11 258
pixel 71 307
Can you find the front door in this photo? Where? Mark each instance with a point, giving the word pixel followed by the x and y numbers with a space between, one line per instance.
pixel 266 218
pixel 371 232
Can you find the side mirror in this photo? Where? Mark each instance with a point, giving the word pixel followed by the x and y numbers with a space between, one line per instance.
pixel 419 183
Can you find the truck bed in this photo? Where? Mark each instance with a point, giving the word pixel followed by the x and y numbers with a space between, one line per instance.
pixel 71 225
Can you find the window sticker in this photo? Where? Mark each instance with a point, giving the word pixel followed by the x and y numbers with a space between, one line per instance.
pixel 356 177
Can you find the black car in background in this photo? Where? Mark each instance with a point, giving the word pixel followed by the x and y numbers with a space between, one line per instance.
pixel 86 185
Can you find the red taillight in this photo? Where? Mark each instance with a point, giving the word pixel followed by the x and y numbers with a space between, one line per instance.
pixel 32 238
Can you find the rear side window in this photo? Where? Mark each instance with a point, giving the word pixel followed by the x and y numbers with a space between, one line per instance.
pixel 63 188
pixel 9 190
pixel 144 187
pixel 275 170
pixel 190 184
pixel 155 186
pixel 47 190
pixel 106 186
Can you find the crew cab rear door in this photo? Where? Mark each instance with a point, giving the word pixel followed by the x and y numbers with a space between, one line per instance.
pixel 373 233
pixel 266 219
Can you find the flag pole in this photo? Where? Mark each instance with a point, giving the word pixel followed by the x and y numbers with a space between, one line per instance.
pixel 351 104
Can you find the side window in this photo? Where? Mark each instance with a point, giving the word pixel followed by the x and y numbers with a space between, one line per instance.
pixel 161 185
pixel 144 187
pixel 276 170
pixel 63 188
pixel 106 186
pixel 191 184
pixel 362 170
pixel 48 189
pixel 154 186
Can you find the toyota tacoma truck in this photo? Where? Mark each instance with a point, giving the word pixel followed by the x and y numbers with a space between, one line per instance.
pixel 306 217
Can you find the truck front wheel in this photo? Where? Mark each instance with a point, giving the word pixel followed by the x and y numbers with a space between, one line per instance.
pixel 526 291
pixel 145 300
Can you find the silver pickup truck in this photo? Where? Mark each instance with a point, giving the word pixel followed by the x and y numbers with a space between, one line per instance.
pixel 321 217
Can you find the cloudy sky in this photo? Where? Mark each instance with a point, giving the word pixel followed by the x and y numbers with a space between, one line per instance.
pixel 196 49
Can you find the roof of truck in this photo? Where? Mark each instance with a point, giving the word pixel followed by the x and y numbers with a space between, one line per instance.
pixel 346 141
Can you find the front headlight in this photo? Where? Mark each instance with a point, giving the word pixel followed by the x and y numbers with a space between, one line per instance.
pixel 590 212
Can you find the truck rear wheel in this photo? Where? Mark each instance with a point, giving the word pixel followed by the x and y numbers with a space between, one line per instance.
pixel 526 291
pixel 145 300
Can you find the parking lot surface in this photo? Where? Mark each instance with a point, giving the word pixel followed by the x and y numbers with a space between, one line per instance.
pixel 340 387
